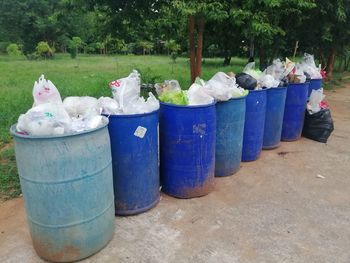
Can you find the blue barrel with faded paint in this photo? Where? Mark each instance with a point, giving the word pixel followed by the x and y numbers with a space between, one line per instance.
pixel 315 84
pixel 294 111
pixel 187 149
pixel 67 186
pixel 254 125
pixel 230 116
pixel 275 102
pixel 134 142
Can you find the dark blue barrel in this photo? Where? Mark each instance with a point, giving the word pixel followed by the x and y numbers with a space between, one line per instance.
pixel 275 102
pixel 254 125
pixel 66 182
pixel 187 149
pixel 314 84
pixel 230 117
pixel 134 142
pixel 294 111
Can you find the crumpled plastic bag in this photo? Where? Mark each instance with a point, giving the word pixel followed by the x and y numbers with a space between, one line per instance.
pixel 198 96
pixel 45 119
pixel 126 92
pixel 80 106
pixel 177 97
pixel 297 75
pixel 108 105
pixel 168 85
pixel 250 70
pixel 309 67
pixel 44 91
pixel 222 87
pixel 246 81
pixel 267 81
pixel 316 97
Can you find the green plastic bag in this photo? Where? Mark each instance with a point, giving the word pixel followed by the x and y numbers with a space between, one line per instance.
pixel 174 97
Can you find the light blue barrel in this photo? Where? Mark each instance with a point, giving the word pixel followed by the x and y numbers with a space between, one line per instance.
pixel 230 117
pixel 67 186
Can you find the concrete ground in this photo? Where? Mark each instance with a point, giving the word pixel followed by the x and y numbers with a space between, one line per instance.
pixel 276 209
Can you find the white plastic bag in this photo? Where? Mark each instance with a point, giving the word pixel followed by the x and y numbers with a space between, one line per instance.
pixel 45 119
pixel 315 99
pixel 197 95
pixel 250 70
pixel 44 91
pixel 142 106
pixel 308 65
pixel 80 106
pixel 223 87
pixel 108 105
pixel 126 90
pixel 267 81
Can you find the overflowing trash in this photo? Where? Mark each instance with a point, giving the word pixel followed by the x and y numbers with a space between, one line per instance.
pixel 318 124
pixel 50 116
pixel 309 67
pixel 221 87
pixel 127 95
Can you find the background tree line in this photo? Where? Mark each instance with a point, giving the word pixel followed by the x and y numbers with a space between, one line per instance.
pixel 263 29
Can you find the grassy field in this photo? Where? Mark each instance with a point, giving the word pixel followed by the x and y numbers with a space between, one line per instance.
pixel 86 75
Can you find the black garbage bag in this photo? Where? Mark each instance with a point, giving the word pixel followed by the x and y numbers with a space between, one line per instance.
pixel 246 81
pixel 318 126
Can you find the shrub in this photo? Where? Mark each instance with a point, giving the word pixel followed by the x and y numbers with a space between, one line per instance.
pixel 44 50
pixel 13 50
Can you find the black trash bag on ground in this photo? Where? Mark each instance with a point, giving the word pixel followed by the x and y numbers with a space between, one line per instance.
pixel 318 126
pixel 246 81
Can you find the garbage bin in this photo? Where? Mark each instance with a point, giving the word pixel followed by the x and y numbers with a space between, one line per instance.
pixel 294 111
pixel 254 125
pixel 275 103
pixel 314 84
pixel 187 149
pixel 66 182
pixel 134 142
pixel 230 117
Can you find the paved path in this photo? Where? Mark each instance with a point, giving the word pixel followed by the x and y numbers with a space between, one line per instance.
pixel 272 210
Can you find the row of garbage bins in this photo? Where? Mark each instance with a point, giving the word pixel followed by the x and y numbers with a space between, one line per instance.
pixel 74 184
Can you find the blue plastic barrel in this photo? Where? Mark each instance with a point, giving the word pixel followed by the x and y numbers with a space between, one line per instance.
pixel 134 142
pixel 315 84
pixel 294 111
pixel 67 186
pixel 275 102
pixel 187 149
pixel 230 117
pixel 254 125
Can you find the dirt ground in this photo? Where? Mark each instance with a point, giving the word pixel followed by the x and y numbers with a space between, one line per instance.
pixel 276 209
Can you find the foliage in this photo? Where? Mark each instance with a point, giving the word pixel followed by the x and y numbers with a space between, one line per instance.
pixel 44 50
pixel 13 50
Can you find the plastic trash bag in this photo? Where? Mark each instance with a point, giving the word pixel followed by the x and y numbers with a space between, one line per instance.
pixel 45 119
pixel 318 126
pixel 174 97
pixel 267 81
pixel 168 85
pixel 316 97
pixel 297 75
pixel 246 81
pixel 126 90
pixel 80 106
pixel 250 70
pixel 44 91
pixel 198 96
pixel 108 105
pixel 309 67
pixel 222 87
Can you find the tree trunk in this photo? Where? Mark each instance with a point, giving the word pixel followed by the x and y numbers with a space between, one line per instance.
pixel 199 47
pixel 330 64
pixel 262 56
pixel 191 36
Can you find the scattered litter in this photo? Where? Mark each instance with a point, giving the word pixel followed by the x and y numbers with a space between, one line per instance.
pixel 320 176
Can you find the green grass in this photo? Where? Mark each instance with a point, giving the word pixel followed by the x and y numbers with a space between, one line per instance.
pixel 87 75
